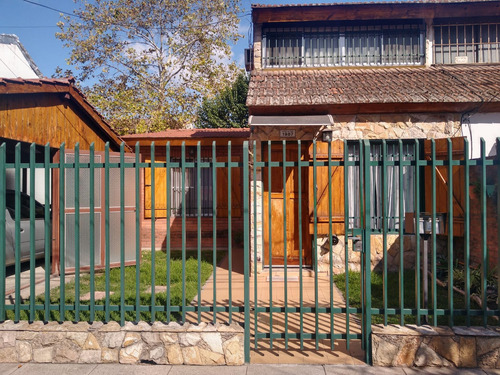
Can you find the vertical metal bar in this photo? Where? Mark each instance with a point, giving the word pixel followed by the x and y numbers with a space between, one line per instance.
pixel 269 205
pixel 122 238
pixel 17 235
pixel 183 242
pixel 62 234
pixel 3 240
pixel 346 240
pixel 285 263
pixel 76 170
pixel 367 253
pixel 137 236
pixel 362 209
pixel 246 250
pixel 314 246
pixel 385 224
pixel 107 234
pixel 301 250
pixel 214 227
pixel 416 226
pixel 198 221
pixel 169 195
pixel 484 239
pixel 467 230
pixel 450 231
pixel 48 232
pixel 255 223
pixel 401 237
pixel 433 214
pixel 498 213
pixel 32 232
pixel 229 234
pixel 153 231
pixel 330 245
pixel 92 231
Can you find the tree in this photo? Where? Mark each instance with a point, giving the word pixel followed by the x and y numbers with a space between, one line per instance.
pixel 150 62
pixel 228 108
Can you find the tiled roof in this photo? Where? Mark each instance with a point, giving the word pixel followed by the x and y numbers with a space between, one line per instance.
pixel 261 6
pixel 193 133
pixel 57 85
pixel 443 84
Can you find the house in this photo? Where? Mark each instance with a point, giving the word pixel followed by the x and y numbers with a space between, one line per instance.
pixel 376 70
pixel 167 212
pixel 51 112
pixel 15 61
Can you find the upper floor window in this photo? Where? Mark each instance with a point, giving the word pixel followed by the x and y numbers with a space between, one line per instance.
pixel 359 45
pixel 467 43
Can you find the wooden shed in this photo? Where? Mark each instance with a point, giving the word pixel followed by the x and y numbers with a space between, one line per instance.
pixel 54 111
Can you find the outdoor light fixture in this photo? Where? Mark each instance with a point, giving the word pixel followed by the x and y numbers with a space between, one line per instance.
pixel 327 135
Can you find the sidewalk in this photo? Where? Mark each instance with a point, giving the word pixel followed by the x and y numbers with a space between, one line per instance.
pixel 111 369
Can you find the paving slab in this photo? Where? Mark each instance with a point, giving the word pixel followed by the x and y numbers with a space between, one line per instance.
pixel 362 369
pixel 285 369
pixel 208 370
pixel 51 369
pixel 8 368
pixel 443 371
pixel 117 369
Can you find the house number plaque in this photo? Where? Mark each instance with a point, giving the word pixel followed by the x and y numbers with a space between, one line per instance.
pixel 287 133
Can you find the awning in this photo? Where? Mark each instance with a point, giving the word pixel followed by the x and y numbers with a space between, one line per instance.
pixel 318 120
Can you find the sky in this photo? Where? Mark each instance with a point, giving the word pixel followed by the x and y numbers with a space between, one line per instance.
pixel 36 27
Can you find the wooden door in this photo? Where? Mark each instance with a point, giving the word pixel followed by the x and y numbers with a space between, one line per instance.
pixel 282 201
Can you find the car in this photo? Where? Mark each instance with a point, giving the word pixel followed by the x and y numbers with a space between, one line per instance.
pixel 25 228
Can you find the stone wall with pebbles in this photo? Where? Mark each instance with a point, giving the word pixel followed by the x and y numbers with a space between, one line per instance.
pixel 189 344
pixel 436 346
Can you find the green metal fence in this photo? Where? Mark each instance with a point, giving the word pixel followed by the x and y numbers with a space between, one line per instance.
pixel 280 300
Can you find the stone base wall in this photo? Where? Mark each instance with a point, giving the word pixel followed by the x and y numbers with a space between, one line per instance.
pixel 159 343
pixel 436 346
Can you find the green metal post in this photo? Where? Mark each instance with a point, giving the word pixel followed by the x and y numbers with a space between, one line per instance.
pixel 301 251
pixel 450 232
pixel 107 234
pixel 367 253
pixel 498 217
pixel 314 245
pixel 484 238
pixel 214 227
pixel 285 263
pixel 3 159
pixel 269 158
pixel 346 240
pixel 32 232
pixel 122 237
pixel 168 193
pixel 153 231
pixel 246 250
pixel 137 236
pixel 416 228
pixel 385 224
pixel 467 231
pixel 48 231
pixel 433 214
pixel 92 232
pixel 330 245
pixel 255 255
pixel 62 234
pixel 198 200
pixel 229 234
pixel 401 237
pixel 183 241
pixel 76 171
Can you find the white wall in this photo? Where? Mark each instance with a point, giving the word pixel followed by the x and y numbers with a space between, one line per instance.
pixel 482 125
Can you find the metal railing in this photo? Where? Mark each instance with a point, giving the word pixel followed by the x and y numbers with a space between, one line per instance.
pixel 274 283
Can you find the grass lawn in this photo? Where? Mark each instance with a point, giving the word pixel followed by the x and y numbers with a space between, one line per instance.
pixel 409 297
pixel 145 272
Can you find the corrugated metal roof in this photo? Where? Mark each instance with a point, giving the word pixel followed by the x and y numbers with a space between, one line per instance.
pixel 193 133
pixel 263 6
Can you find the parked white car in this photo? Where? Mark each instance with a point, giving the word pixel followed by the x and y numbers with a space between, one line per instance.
pixel 10 228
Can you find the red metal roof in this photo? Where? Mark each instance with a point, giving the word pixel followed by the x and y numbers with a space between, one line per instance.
pixel 192 133
pixel 438 84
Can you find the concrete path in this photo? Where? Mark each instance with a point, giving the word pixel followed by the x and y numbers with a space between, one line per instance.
pixel 112 369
